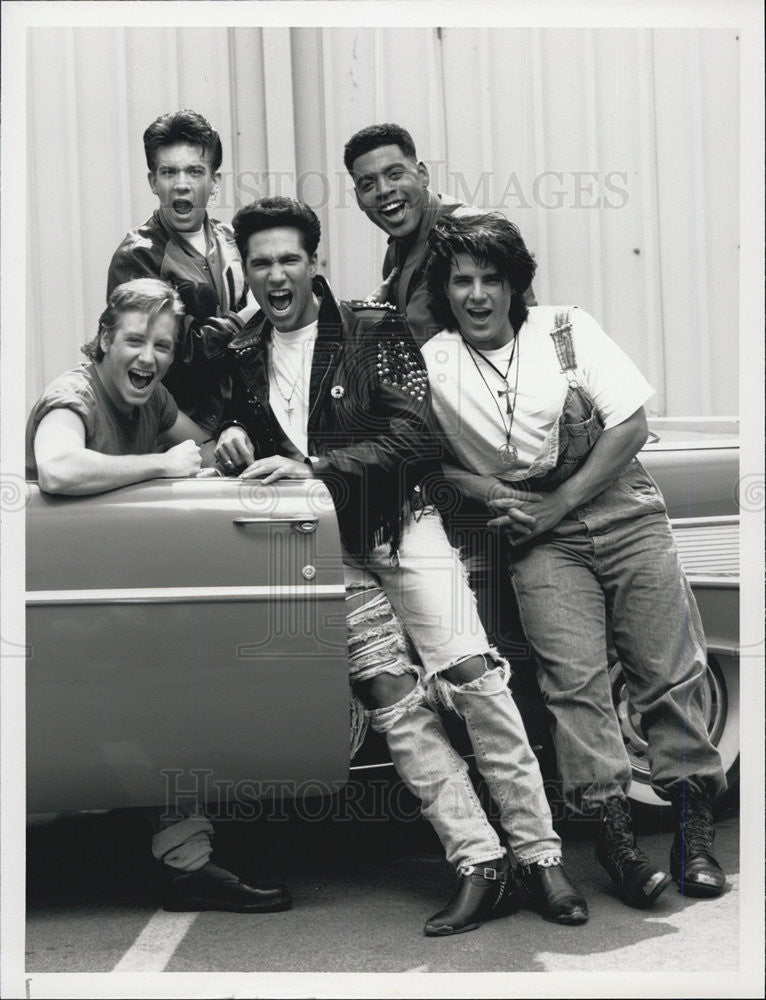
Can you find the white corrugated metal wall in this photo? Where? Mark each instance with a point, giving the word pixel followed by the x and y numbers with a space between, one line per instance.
pixel 615 150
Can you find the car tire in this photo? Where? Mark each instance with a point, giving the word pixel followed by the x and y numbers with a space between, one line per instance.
pixel 721 697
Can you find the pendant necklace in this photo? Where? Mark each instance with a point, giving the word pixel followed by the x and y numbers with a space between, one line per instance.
pixel 507 453
pixel 287 397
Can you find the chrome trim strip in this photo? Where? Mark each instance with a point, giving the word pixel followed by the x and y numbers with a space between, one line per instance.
pixel 722 649
pixel 726 582
pixel 179 595
pixel 293 519
pixel 370 767
pixel 704 522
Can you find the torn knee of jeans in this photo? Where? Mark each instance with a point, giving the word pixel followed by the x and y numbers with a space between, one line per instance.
pixel 441 692
pixel 385 687
pixel 382 719
pixel 466 670
pixel 397 667
pixel 378 648
pixel 491 661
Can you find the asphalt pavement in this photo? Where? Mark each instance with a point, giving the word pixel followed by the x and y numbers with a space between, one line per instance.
pixel 363 884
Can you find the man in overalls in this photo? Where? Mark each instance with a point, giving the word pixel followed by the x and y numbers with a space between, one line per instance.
pixel 541 401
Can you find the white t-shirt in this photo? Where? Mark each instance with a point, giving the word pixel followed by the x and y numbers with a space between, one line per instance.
pixel 466 407
pixel 197 240
pixel 290 358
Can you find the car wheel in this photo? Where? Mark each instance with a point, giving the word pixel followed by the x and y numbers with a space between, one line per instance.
pixel 721 708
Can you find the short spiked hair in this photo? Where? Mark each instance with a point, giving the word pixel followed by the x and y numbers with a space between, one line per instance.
pixel 374 136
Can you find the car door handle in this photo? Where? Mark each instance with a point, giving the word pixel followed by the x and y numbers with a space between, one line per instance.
pixel 305 525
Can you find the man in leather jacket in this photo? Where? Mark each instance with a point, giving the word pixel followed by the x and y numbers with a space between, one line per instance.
pixel 194 253
pixel 338 391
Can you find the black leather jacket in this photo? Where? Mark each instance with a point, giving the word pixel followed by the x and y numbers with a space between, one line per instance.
pixel 370 421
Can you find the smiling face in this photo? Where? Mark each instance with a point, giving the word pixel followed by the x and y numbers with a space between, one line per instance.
pixel 183 181
pixel 137 354
pixel 480 298
pixel 281 274
pixel 391 188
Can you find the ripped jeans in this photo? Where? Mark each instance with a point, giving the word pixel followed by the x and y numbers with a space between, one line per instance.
pixel 428 589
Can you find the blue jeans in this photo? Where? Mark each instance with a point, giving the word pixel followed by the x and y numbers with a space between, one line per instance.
pixel 429 591
pixel 614 558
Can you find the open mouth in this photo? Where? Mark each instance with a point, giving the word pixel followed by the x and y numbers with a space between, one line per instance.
pixel 140 380
pixel 479 315
pixel 393 211
pixel 280 301
pixel 182 206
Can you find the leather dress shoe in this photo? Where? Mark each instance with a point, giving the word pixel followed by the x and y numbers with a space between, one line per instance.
pixel 483 892
pixel 214 888
pixel 552 894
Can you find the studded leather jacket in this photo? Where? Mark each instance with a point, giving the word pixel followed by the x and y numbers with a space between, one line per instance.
pixel 370 428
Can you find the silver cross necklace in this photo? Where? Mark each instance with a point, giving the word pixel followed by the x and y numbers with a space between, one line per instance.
pixel 287 397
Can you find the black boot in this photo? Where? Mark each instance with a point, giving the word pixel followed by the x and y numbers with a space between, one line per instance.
pixel 552 894
pixel 483 892
pixel 215 888
pixel 692 864
pixel 637 881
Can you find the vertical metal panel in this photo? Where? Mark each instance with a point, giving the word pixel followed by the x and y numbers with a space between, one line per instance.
pixel 649 297
pixel 535 122
pixel 697 151
pixel 370 75
pixel 719 97
pixel 278 101
pixel 75 232
pixel 245 147
pixel 541 248
pixel 519 138
pixel 680 201
pixel 316 182
pixel 34 375
pixel 54 285
pixel 343 245
pixel 592 145
pixel 124 138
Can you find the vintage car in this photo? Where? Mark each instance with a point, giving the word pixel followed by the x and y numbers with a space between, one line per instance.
pixel 188 636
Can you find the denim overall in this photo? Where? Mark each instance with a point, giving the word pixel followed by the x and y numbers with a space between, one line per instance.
pixel 613 559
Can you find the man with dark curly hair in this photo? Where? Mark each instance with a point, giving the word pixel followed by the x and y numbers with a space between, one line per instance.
pixel 541 400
